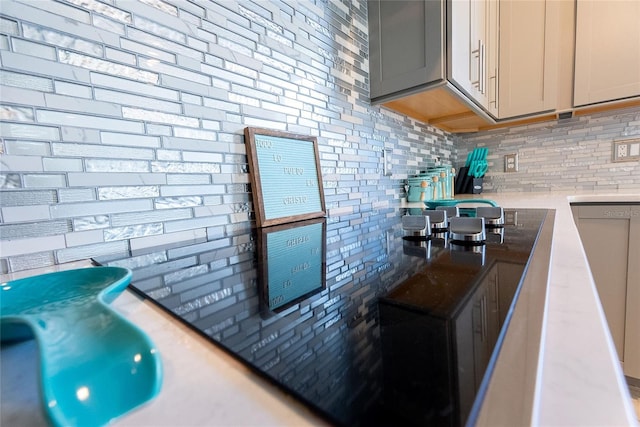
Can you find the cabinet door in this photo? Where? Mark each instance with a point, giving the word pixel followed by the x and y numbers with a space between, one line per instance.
pixel 528 57
pixel 406 46
pixel 611 239
pixel 493 55
pixel 468 48
pixel 607 55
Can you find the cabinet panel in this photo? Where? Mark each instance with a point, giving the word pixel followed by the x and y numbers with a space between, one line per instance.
pixel 609 269
pixel 611 239
pixel 406 47
pixel 607 53
pixel 473 25
pixel 528 59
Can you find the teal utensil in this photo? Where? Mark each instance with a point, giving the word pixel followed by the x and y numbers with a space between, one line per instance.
pixel 432 204
pixel 479 168
pixel 469 158
pixel 94 364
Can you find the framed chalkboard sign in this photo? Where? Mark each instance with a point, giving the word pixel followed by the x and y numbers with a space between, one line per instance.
pixel 285 176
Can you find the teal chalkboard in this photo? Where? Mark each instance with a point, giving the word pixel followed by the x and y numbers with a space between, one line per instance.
pixel 292 260
pixel 286 181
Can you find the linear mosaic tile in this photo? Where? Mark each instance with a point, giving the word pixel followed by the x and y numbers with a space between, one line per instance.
pixel 132 231
pixel 139 192
pixel 214 68
pixel 61 40
pixel 19 130
pixel 170 213
pixel 104 9
pixel 102 66
pixel 33 260
pixel 72 195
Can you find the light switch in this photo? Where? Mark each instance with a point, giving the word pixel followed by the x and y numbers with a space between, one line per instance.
pixel 386 161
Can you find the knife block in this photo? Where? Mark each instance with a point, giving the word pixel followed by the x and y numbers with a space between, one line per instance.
pixel 476 186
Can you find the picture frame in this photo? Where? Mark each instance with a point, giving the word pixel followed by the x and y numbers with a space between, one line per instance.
pixel 285 176
pixel 292 263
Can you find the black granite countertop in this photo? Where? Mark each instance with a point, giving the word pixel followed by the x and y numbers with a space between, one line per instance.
pixel 300 305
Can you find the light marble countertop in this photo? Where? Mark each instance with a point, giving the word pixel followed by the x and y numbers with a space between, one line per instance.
pixel 580 381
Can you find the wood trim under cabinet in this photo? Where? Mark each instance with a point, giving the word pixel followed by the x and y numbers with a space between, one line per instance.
pixel 443 109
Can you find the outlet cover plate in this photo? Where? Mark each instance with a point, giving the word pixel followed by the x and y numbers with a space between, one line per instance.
pixel 511 162
pixel 627 150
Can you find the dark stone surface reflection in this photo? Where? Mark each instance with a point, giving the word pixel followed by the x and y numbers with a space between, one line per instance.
pixel 364 326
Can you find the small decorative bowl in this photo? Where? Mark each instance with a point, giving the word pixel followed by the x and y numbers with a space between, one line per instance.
pixel 94 364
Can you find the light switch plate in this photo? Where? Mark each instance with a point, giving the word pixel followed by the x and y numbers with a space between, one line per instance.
pixel 386 161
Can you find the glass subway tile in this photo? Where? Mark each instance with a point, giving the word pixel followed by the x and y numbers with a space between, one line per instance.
pixel 90 150
pixel 187 273
pixel 75 195
pixel 31 261
pixel 147 50
pixel 159 30
pixel 177 202
pixel 60 40
pixel 8 181
pixel 119 248
pixel 183 167
pixel 183 179
pixel 132 231
pixel 34 229
pixel 45 181
pixel 23 130
pixel 126 85
pixel 163 44
pixel 108 25
pixel 162 6
pixel 17 114
pixel 97 165
pixel 161 215
pixel 194 134
pixel 112 68
pixel 30 48
pixel 8 26
pixel 137 192
pixel 104 9
pixel 155 116
pixel 88 121
pixel 27 148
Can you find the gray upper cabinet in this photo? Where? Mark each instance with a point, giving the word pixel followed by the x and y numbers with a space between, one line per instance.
pixel 407 47
pixel 469 65
pixel 440 61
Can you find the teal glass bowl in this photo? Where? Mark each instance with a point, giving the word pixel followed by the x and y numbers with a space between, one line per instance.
pixel 94 364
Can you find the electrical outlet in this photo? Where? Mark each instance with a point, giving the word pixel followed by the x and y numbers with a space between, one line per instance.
pixel 626 150
pixel 622 151
pixel 511 162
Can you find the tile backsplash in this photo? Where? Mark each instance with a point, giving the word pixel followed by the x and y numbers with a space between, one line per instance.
pixel 122 121
pixel 569 154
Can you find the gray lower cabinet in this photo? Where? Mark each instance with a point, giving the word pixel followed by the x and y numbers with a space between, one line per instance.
pixel 610 235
